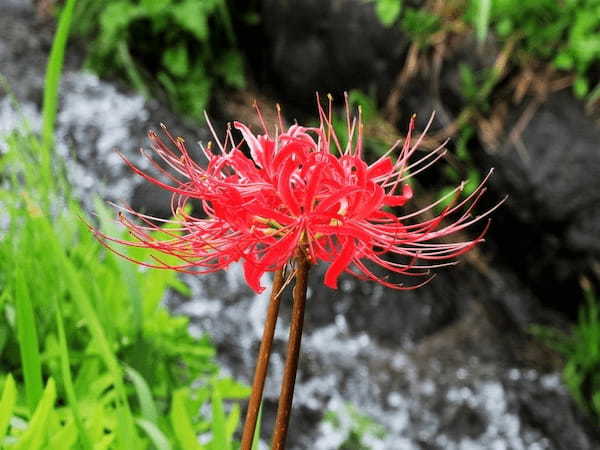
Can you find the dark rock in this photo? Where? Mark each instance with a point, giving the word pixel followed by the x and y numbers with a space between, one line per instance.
pixel 329 47
pixel 552 217
pixel 390 316
pixel 25 42
pixel 554 172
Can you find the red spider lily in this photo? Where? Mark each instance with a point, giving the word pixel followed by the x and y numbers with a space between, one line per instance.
pixel 300 191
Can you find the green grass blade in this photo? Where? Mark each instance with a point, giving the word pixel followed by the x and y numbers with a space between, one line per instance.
pixel 157 437
pixel 482 19
pixel 144 395
pixel 7 403
pixel 233 420
pixel 67 377
pixel 28 341
pixel 35 435
pixel 256 439
pixel 105 443
pixel 66 437
pixel 181 421
pixel 220 440
pixel 80 297
pixel 130 68
pixel 51 84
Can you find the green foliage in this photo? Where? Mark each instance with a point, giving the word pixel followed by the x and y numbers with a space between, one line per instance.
pixel 564 33
pixel 90 358
pixel 463 170
pixel 184 47
pixel 418 23
pixel 482 18
pixel 388 11
pixel 69 312
pixel 356 426
pixel 581 351
pixel 476 87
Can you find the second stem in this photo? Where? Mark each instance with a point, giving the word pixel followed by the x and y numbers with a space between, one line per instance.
pixel 262 362
pixel 286 395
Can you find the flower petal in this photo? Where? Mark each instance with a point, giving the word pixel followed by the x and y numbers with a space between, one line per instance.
pixel 340 263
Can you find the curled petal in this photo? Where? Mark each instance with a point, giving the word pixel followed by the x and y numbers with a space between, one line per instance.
pixel 339 264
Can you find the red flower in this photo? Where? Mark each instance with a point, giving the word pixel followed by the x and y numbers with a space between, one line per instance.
pixel 300 190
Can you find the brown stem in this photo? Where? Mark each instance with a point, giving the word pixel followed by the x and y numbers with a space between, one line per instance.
pixel 262 362
pixel 291 364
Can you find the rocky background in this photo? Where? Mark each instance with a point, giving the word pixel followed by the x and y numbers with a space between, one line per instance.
pixel 449 366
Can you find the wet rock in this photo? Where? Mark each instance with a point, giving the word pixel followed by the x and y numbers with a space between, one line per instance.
pixel 25 43
pixel 327 47
pixel 553 167
pixel 552 174
pixel 547 232
pixel 392 317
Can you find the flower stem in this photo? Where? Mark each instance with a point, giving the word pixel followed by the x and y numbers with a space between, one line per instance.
pixel 291 365
pixel 262 362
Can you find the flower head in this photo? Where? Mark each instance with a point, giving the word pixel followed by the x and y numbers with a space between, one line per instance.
pixel 300 190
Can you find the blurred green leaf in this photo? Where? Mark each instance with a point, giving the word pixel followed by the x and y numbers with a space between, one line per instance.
pixel 176 60
pixel 28 340
pixel 191 16
pixel 7 403
pixel 182 422
pixel 65 437
pixel 482 21
pixel 157 437
pixel 504 27
pixel 420 24
pixel 231 68
pixel 155 7
pixel 220 439
pixel 564 61
pixel 148 408
pixel 188 46
pixel 388 11
pixel 468 82
pixel 229 388
pixel 581 87
pixel 366 102
pixel 35 435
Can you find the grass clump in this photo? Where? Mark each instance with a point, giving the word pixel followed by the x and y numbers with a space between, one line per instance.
pixel 90 358
pixel 561 34
pixel 89 353
pixel 182 48
pixel 564 34
pixel 419 23
pixel 580 349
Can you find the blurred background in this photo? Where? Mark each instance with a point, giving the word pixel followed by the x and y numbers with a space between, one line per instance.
pixel 500 352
